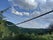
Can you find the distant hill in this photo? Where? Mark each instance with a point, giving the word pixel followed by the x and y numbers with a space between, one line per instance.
pixel 12 27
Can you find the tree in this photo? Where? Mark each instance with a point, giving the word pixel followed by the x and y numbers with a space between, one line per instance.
pixel 51 26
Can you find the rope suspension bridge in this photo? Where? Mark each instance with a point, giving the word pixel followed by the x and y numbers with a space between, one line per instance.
pixel 28 19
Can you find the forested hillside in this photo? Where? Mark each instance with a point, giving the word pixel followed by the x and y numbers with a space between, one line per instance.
pixel 9 31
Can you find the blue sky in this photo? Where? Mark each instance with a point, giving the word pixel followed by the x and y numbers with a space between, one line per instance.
pixel 23 10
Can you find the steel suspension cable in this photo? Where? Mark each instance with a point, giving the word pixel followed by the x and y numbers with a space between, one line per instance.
pixel 34 17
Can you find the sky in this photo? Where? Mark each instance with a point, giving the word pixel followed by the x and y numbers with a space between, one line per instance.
pixel 23 10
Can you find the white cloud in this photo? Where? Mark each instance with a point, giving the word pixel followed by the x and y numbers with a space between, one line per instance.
pixel 26 13
pixel 10 0
pixel 25 4
pixel 45 6
pixel 35 13
pixel 16 12
pixel 50 4
pixel 41 1
pixel 30 2
pixel 48 17
pixel 33 24
pixel 19 13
